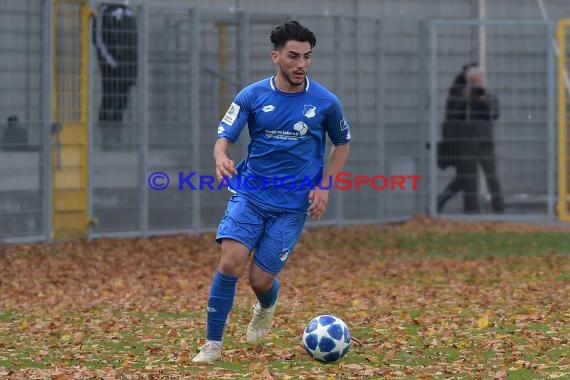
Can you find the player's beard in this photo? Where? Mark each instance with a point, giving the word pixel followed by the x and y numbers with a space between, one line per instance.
pixel 289 77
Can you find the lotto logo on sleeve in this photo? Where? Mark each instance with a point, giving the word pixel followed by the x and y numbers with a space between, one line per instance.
pixel 231 114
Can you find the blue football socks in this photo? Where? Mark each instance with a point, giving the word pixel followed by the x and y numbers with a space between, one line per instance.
pixel 268 299
pixel 220 303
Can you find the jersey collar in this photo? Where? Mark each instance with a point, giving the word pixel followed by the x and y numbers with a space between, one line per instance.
pixel 274 87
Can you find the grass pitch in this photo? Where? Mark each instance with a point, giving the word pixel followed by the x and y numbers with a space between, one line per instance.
pixel 423 299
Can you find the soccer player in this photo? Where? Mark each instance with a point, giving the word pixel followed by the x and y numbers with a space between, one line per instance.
pixel 288 117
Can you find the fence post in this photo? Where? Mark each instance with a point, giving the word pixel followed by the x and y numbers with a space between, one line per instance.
pixel 433 120
pixel 46 117
pixel 339 89
pixel 194 106
pixel 422 198
pixel 143 102
pixel 90 135
pixel 380 115
pixel 551 86
pixel 243 56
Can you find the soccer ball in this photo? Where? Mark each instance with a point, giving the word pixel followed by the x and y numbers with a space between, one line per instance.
pixel 326 338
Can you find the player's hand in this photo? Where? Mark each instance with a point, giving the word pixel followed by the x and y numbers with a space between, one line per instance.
pixel 319 200
pixel 225 168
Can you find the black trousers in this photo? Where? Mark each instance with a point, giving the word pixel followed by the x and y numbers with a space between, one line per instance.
pixel 114 101
pixel 473 154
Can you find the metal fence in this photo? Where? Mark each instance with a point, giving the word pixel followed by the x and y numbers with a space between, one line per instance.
pixel 496 141
pixel 131 91
pixel 191 63
pixel 25 114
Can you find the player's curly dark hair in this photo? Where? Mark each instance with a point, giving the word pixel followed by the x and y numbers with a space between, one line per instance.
pixel 291 30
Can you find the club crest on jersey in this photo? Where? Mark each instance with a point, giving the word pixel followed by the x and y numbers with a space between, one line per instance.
pixel 309 111
pixel 285 254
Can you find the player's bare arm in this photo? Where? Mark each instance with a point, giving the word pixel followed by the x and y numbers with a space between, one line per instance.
pixel 225 167
pixel 320 196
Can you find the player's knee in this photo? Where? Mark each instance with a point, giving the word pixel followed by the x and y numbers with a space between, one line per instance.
pixel 228 269
pixel 260 287
pixel 260 284
pixel 230 266
pixel 233 259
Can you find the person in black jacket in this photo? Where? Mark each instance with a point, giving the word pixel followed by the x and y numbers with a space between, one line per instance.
pixel 470 113
pixel 115 37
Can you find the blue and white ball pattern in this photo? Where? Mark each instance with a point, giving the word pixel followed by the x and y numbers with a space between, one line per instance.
pixel 326 338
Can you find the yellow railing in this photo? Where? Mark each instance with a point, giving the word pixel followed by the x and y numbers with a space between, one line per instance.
pixel 70 111
pixel 562 36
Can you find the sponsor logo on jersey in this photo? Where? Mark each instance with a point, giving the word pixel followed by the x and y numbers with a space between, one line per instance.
pixel 301 127
pixel 268 108
pixel 231 114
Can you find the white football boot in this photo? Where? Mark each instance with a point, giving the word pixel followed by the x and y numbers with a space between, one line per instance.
pixel 260 323
pixel 209 352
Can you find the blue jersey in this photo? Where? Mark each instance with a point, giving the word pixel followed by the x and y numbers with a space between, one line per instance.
pixel 287 132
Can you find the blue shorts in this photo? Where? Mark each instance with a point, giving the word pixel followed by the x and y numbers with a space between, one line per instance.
pixel 271 234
